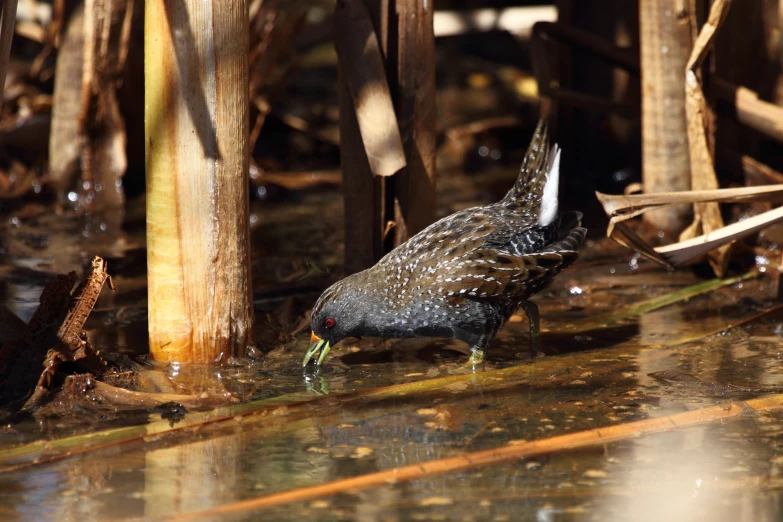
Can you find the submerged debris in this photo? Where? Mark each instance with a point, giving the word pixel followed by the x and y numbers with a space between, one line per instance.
pixel 54 336
pixel 691 386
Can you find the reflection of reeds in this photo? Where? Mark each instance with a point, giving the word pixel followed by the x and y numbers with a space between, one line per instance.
pixel 289 409
pixel 201 473
pixel 637 309
pixel 582 439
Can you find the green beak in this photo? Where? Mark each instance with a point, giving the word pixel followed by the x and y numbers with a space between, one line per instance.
pixel 316 344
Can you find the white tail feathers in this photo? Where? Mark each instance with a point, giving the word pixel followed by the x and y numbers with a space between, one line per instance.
pixel 549 197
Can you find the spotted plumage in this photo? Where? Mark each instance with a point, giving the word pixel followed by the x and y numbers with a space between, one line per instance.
pixel 464 275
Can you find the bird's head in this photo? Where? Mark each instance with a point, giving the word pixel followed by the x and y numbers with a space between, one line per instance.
pixel 341 311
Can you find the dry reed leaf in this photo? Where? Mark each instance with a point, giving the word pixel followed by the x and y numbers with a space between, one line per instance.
pixel 707 217
pixel 683 251
pixel 621 208
pixel 361 63
pixel 617 205
pixel 73 345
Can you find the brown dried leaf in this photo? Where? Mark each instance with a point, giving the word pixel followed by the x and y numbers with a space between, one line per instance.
pixel 634 204
pixel 103 159
pixel 20 359
pixel 72 345
pixel 84 298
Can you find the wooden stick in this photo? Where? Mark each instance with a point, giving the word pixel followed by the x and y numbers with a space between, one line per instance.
pixel 665 38
pixel 362 68
pixel 582 439
pixel 386 55
pixel 755 170
pixel 66 124
pixel 364 196
pixel 196 98
pixel 757 114
pixel 415 74
pixel 6 36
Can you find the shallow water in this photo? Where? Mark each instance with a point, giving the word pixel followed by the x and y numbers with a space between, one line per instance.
pixel 725 471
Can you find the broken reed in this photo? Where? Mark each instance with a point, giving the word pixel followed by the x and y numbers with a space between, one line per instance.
pixel 196 127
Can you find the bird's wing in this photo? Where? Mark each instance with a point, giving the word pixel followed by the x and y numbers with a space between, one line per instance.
pixel 450 238
pixel 459 257
pixel 489 274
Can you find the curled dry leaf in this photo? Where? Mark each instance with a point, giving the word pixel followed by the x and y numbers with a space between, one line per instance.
pixel 621 208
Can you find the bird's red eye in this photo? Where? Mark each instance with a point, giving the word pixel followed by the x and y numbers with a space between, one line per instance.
pixel 329 323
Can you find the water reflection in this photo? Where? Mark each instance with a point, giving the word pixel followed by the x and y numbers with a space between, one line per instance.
pixel 681 477
pixel 717 473
pixel 192 476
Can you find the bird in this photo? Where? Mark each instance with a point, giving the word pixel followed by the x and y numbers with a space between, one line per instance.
pixel 463 276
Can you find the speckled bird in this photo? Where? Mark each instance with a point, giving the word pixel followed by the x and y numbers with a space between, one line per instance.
pixel 465 275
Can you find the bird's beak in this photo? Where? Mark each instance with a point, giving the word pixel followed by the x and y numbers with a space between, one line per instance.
pixel 316 343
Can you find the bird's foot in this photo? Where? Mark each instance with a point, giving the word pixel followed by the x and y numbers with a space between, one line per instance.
pixel 476 358
pixel 535 345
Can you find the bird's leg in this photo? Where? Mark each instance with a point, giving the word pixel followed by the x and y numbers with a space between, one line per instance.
pixel 480 342
pixel 531 310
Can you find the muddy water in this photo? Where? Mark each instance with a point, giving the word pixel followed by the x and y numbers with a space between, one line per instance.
pixel 590 378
